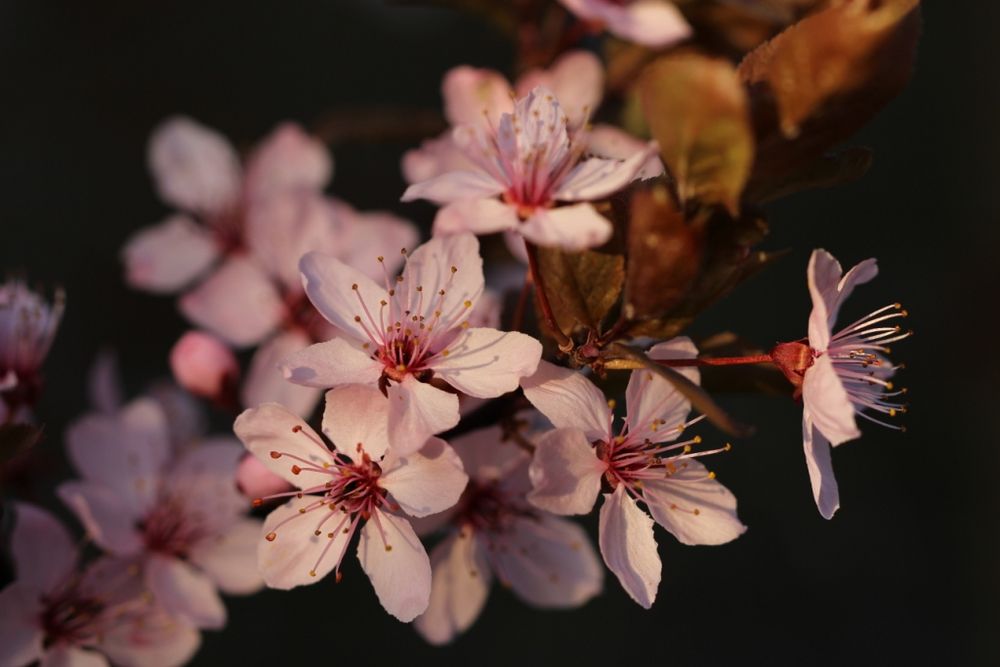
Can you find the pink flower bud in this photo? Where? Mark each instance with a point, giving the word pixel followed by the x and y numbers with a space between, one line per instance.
pixel 203 365
pixel 256 481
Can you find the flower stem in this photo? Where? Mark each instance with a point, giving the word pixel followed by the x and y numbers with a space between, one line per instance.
pixel 565 344
pixel 629 364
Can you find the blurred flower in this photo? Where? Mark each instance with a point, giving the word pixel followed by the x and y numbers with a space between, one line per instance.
pixel 583 453
pixel 521 168
pixel 547 561
pixel 412 337
pixel 28 324
pixel 654 23
pixel 180 517
pixel 840 375
pixel 58 615
pixel 203 365
pixel 361 483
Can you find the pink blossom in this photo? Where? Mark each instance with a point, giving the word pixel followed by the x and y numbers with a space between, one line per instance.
pixel 547 561
pixel 28 325
pixel 654 23
pixel 583 454
pixel 532 159
pixel 360 484
pixel 411 337
pixel 840 375
pixel 60 615
pixel 256 480
pixel 203 365
pixel 180 516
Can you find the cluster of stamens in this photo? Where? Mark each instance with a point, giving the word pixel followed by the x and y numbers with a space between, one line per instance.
pixel 170 528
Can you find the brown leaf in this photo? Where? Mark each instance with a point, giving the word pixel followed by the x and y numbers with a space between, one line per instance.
pixel 838 168
pixel 664 255
pixel 697 110
pixel 819 81
pixel 581 287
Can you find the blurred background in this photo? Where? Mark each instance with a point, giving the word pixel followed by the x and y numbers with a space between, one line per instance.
pixel 908 572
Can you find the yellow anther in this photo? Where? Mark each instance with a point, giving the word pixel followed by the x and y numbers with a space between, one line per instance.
pixel 381 258
pixel 697 439
pixel 468 304
pixel 400 367
pixel 711 475
pixel 892 412
pixel 388 547
pixel 612 403
pixel 454 269
pixel 354 287
pixel 888 385
pixel 697 511
pixel 728 447
pixel 687 449
pixel 312 573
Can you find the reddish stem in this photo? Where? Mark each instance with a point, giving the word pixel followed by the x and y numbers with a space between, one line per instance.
pixel 717 361
pixel 565 344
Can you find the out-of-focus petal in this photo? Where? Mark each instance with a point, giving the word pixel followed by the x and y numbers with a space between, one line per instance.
pixel 167 257
pixel 576 78
pixel 479 216
pixel 255 480
pixel 265 383
pixel 654 23
pixel 288 159
pixel 454 186
pixel 597 178
pixel 108 518
pixel 230 558
pixel 571 228
pixel 471 93
pixel 70 656
pixel 185 592
pixel 42 549
pixel 459 588
pixel 609 141
pixel 203 365
pixel 21 632
pixel 196 168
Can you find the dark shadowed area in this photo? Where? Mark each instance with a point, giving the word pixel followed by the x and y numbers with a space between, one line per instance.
pixel 908 572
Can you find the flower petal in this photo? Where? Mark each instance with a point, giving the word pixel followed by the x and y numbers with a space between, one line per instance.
pixel 265 382
pixel 417 411
pixel 819 462
pixel 654 23
pixel 469 92
pixel 196 168
pixel 204 479
pixel 272 428
pixel 238 303
pixel 434 157
pixel 288 159
pixel 608 141
pixel 357 418
pixel 828 287
pixel 572 228
pixel 577 80
pixel 569 400
pixel 41 547
pixel 695 508
pixel 109 521
pixel 331 363
pixel 297 556
pixel 70 656
pixel 329 284
pixel 230 558
pixel 203 365
pixel 159 639
pixel 454 186
pixel 395 561
pixel 255 480
pixel 565 473
pixel 450 263
pixel 21 632
pixel 655 408
pixel 629 547
pixel 364 236
pixel 597 177
pixel 459 588
pixel 486 363
pixel 479 216
pixel 426 482
pixel 185 592
pixel 486 455
pixel 823 394
pixel 167 257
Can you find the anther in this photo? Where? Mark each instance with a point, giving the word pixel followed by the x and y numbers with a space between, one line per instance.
pixel 354 287
pixel 270 536
pixel 277 455
pixel 454 269
pixel 257 502
pixel 296 470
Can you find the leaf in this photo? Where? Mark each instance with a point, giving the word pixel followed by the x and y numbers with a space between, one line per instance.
pixel 581 287
pixel 664 255
pixel 17 439
pixel 822 79
pixel 838 168
pixel 738 27
pixel 697 110
pixel 700 400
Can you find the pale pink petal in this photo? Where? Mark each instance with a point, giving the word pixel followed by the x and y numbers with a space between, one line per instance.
pixel 485 362
pixel 185 592
pixel 471 93
pixel 823 394
pixel 486 456
pixel 204 479
pixel 364 236
pixel 329 364
pixel 356 418
pixel 265 383
pixel 569 400
pixel 254 480
pixel 159 640
pixel 828 288
pixel 397 565
pixel 656 409
pixel 169 256
pixel 330 286
pixel 565 473
pixel 609 141
pixel 230 558
pixel 196 168
pixel 576 79
pixel 550 562
pixel 434 157
pixel 629 547
pixel 203 365
pixel 515 245
pixel 21 632
pixel 451 263
pixel 238 302
pixel 571 228
pixel 185 414
pixel 417 411
pixel 297 556
pixel 272 428
pixel 459 588
pixel 110 522
pixel 596 178
pixel 288 159
pixel 126 452
pixel 487 309
pixel 426 482
pixel 819 462
pixel 479 216
pixel 693 507
pixel 454 186
pixel 654 23
pixel 71 656
pixel 41 547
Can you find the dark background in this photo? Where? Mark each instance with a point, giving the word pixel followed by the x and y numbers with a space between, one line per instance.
pixel 909 570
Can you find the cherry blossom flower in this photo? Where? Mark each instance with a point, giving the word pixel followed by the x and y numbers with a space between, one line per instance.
pixel 28 325
pixel 359 486
pixel 179 515
pixel 654 23
pixel 583 455
pixel 59 615
pixel 840 376
pixel 521 168
pixel 411 337
pixel 546 560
